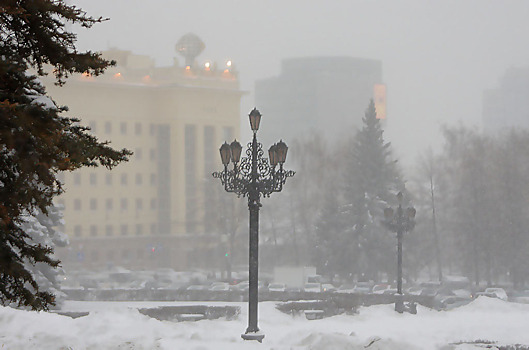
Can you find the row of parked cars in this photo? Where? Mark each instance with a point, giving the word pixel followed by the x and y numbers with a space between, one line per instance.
pixel 445 296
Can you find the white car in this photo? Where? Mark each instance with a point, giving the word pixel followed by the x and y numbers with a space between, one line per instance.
pixel 220 287
pixel 277 287
pixel 499 292
pixel 380 288
pixel 312 287
pixel 346 288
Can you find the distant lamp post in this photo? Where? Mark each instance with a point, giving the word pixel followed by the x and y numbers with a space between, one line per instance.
pixel 253 176
pixel 399 221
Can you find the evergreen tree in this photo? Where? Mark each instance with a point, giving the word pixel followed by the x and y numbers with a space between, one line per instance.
pixel 372 180
pixel 331 250
pixel 36 141
pixel 42 230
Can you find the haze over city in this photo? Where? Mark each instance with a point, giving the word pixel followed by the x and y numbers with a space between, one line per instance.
pixel 399 219
pixel 437 57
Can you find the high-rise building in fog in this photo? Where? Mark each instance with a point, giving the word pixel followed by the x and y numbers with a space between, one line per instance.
pixel 156 210
pixel 507 105
pixel 326 94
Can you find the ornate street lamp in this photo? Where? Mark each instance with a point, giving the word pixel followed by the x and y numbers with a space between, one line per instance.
pixel 399 221
pixel 253 176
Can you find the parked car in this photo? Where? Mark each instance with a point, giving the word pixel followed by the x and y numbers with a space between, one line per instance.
pixel 312 287
pixel 327 287
pixel 245 285
pixel 277 287
pixel 197 287
pixel 380 288
pixel 293 290
pixel 484 294
pixel 220 287
pixel 363 288
pixel 499 292
pixel 414 290
pixel 451 302
pixel 346 288
pixel 390 291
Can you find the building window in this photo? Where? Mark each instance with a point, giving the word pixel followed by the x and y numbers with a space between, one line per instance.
pixel 152 129
pixel 108 179
pixel 123 128
pixel 77 204
pixel 152 154
pixel 93 179
pixel 109 204
pixel 154 229
pixel 92 126
pixel 108 127
pixel 124 203
pixel 93 230
pixel 139 179
pixel 124 229
pixel 139 204
pixel 77 179
pixel 139 229
pixel 77 231
pixel 109 230
pixel 124 179
pixel 153 203
pixel 153 179
pixel 137 129
pixel 93 204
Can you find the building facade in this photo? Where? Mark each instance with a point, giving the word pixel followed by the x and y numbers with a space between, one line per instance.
pixel 158 209
pixel 507 105
pixel 328 95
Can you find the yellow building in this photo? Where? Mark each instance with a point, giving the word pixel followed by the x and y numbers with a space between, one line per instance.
pixel 157 210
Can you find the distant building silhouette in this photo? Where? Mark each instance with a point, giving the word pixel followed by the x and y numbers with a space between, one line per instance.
pixel 326 94
pixel 507 105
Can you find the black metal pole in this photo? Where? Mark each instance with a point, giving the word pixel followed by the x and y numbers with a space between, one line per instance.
pixel 253 268
pixel 399 261
pixel 399 303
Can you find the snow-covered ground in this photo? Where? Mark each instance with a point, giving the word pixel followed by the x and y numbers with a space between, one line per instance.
pixel 116 325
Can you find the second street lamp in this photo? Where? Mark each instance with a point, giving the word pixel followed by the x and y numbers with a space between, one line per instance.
pixel 399 221
pixel 253 176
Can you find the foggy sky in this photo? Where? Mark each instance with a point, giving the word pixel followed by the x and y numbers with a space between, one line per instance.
pixel 437 56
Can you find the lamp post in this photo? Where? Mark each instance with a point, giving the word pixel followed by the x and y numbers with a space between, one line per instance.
pixel 253 176
pixel 399 221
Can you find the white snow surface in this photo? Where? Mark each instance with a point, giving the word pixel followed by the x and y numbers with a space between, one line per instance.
pixel 115 325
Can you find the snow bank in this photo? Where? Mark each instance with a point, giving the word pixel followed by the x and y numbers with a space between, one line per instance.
pixel 121 326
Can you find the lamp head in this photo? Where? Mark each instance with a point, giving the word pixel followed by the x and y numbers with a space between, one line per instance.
pixel 236 149
pixel 255 119
pixel 225 153
pixel 272 155
pixel 281 150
